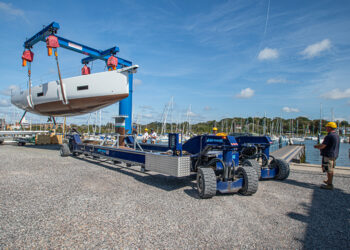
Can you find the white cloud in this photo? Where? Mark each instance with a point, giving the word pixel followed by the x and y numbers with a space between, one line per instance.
pixel 337 94
pixel 4 103
pixel 315 49
pixel 290 110
pixel 137 81
pixel 8 90
pixel 246 93
pixel 146 107
pixel 268 54
pixel 276 80
pixel 191 114
pixel 8 9
pixel 147 115
pixel 207 108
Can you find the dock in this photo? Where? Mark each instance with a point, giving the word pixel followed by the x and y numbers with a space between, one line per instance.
pixel 289 153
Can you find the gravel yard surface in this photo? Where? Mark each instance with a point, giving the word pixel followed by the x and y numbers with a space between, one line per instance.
pixel 51 202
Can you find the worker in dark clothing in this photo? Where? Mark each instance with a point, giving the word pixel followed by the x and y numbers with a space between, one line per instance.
pixel 329 150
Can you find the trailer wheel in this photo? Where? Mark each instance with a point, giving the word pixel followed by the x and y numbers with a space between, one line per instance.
pixel 206 182
pixel 250 180
pixel 282 169
pixel 64 150
pixel 254 164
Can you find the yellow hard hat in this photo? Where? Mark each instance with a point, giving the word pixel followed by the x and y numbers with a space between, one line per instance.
pixel 331 125
pixel 215 128
pixel 146 129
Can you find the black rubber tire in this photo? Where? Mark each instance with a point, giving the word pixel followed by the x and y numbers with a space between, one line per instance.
pixel 254 164
pixel 250 180
pixel 64 150
pixel 206 182
pixel 282 169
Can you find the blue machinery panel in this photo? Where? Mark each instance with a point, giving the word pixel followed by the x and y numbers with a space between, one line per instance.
pixel 229 186
pixel 125 106
pixel 268 173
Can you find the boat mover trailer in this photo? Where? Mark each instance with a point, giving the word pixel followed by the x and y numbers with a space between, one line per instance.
pixel 215 160
pixel 254 151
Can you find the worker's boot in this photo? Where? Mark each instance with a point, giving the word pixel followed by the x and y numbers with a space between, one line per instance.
pixel 328 186
pixel 328 182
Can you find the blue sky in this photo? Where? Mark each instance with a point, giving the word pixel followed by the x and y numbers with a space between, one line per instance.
pixel 224 58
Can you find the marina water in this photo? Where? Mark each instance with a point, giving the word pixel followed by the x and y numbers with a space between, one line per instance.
pixel 313 155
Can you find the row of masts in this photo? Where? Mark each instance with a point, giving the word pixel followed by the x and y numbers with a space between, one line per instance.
pixel 241 125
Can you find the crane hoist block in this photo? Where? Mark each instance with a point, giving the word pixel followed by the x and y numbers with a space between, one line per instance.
pixel 51 42
pixel 85 70
pixel 112 62
pixel 27 56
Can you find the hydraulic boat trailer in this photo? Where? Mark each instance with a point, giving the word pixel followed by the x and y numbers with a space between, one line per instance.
pixel 214 158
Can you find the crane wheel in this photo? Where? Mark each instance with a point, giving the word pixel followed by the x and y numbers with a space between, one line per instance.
pixel 64 150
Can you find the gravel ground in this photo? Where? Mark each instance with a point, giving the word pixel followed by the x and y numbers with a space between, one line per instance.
pixel 51 202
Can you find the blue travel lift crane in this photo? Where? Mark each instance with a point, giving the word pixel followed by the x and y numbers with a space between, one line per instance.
pixel 255 149
pixel 125 105
pixel 213 158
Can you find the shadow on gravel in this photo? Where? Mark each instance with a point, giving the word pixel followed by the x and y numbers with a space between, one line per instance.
pixel 167 183
pixel 47 147
pixel 328 219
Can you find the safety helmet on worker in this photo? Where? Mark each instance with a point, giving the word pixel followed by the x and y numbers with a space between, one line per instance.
pixel 331 125
pixel 215 129
pixel 146 129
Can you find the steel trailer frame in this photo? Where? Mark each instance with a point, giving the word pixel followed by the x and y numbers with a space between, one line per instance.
pixel 213 158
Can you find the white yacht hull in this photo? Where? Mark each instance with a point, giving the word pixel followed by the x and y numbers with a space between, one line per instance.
pixel 84 94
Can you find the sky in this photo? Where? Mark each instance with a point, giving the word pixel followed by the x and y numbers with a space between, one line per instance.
pixel 215 59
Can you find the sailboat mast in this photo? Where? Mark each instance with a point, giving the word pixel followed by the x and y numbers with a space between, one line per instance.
pixel 319 130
